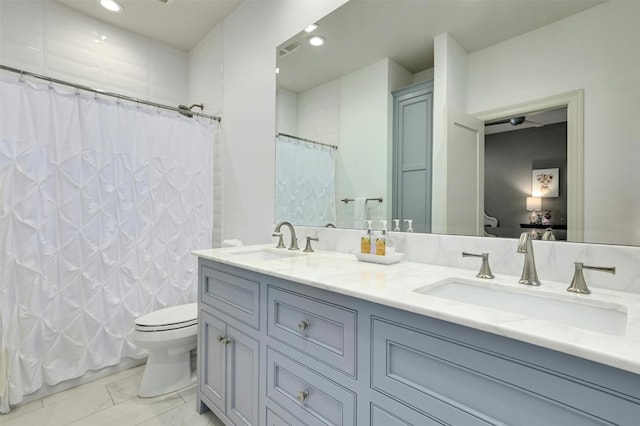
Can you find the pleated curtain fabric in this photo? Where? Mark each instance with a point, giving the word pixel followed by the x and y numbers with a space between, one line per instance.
pixel 101 203
pixel 305 182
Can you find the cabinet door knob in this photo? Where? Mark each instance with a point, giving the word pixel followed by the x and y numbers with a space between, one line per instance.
pixel 303 325
pixel 227 341
pixel 303 395
pixel 220 339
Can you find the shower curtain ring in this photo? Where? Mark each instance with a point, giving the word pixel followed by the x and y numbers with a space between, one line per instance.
pixel 21 75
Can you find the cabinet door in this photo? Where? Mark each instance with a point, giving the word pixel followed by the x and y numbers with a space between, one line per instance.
pixel 211 359
pixel 242 377
pixel 412 154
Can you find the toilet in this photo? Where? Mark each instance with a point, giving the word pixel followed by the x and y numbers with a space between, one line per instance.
pixel 169 335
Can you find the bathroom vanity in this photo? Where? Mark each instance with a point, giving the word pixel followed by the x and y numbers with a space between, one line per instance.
pixel 322 339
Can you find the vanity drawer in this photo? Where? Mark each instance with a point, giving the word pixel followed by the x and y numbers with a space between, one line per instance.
pixel 322 330
pixel 235 295
pixel 307 395
pixel 274 419
pixel 400 416
pixel 461 384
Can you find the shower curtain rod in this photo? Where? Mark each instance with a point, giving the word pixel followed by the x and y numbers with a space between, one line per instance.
pixel 306 140
pixel 102 92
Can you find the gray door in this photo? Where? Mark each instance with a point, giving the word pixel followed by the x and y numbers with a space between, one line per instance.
pixel 412 153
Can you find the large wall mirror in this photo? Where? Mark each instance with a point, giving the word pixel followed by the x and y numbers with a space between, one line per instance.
pixel 556 86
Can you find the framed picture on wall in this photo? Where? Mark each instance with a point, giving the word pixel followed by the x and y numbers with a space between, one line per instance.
pixel 545 182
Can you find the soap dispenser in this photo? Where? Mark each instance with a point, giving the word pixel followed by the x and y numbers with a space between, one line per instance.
pixel 410 225
pixel 365 241
pixel 396 225
pixel 381 241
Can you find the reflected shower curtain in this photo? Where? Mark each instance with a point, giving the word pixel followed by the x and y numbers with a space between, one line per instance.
pixel 101 203
pixel 305 182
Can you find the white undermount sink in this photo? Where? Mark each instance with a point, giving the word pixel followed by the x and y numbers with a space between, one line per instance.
pixel 603 317
pixel 267 254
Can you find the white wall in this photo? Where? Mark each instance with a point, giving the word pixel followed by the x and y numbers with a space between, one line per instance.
pixel 362 154
pixel 449 91
pixel 205 76
pixel 250 37
pixel 287 112
pixel 318 113
pixel 354 113
pixel 598 51
pixel 50 39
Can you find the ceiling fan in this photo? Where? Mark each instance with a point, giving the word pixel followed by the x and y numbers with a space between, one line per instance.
pixel 515 121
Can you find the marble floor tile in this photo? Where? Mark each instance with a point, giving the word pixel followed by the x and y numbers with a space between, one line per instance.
pixel 20 410
pixel 183 415
pixel 80 389
pixel 125 388
pixel 132 412
pixel 189 393
pixel 111 401
pixel 66 411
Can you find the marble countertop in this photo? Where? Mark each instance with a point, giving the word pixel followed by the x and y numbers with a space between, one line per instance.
pixel 394 285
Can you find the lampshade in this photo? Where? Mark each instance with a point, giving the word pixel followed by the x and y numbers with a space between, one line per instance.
pixel 534 203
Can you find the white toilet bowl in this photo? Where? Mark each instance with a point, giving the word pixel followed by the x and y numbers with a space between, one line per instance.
pixel 169 335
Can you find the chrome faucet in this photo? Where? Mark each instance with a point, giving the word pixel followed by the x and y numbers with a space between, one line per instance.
pixel 578 284
pixel 529 274
pixel 293 245
pixel 485 270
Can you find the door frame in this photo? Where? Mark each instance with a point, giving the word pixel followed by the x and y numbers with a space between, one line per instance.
pixel 574 103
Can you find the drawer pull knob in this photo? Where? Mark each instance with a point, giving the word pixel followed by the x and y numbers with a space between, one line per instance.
pixel 303 325
pixel 223 339
pixel 303 395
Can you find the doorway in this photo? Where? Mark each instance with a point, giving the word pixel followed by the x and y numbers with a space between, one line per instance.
pixel 574 104
pixel 517 150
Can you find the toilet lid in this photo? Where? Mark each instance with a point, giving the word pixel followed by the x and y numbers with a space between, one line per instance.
pixel 171 318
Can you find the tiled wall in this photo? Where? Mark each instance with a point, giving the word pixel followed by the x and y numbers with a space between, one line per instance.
pixel 50 39
pixel 47 38
pixel 205 86
pixel 554 259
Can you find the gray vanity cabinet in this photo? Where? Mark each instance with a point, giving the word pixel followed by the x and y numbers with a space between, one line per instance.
pixel 315 357
pixel 228 349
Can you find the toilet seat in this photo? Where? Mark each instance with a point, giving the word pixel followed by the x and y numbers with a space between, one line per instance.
pixel 172 318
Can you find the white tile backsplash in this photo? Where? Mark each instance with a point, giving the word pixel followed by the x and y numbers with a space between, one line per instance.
pixel 554 259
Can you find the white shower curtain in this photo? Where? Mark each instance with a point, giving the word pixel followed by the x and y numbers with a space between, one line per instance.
pixel 305 182
pixel 101 203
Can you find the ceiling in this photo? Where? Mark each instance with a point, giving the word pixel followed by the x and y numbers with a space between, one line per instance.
pixel 404 32
pixel 533 119
pixel 177 23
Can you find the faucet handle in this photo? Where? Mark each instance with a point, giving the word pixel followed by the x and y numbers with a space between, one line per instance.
pixel 578 284
pixel 280 241
pixel 308 248
pixel 485 270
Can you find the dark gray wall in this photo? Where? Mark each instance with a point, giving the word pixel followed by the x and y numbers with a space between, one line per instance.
pixel 509 159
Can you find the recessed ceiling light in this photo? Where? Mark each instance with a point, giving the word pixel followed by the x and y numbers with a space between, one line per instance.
pixel 111 5
pixel 316 40
pixel 310 28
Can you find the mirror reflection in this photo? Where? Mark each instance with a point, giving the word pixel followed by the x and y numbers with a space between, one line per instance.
pixel 467 118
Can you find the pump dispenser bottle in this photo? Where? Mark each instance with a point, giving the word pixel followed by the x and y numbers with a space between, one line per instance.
pixel 396 225
pixel 409 225
pixel 365 241
pixel 381 241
